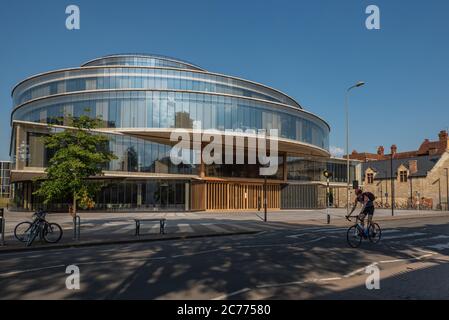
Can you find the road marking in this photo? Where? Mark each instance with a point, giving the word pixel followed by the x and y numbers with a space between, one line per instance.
pixel 315 240
pixel 185 226
pixel 12 273
pixel 440 237
pixel 113 224
pixel 331 279
pixel 359 270
pixel 392 261
pixel 408 235
pixel 214 227
pixel 262 225
pixel 225 296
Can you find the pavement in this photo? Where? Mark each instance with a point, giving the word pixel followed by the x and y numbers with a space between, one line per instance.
pixel 102 228
pixel 301 261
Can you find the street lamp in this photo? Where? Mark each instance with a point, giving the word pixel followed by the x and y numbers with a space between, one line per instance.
pixel 357 85
pixel 447 188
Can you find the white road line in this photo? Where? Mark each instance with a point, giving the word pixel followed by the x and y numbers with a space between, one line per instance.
pixel 408 235
pixel 392 261
pixel 185 227
pixel 214 227
pixel 225 296
pixel 440 237
pixel 314 240
pixel 13 273
pixel 262 225
pixel 271 285
pixel 331 279
pixel 113 224
pixel 387 231
pixel 359 270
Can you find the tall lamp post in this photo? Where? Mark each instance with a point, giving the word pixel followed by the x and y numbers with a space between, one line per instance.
pixel 357 85
pixel 447 188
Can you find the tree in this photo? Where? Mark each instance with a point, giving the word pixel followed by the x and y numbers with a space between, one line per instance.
pixel 78 155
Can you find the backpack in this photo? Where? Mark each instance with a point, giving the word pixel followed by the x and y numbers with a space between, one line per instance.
pixel 370 196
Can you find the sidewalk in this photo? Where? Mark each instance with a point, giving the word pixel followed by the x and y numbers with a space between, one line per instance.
pixel 119 227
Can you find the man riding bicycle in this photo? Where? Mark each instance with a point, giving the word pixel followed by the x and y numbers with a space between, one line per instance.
pixel 367 200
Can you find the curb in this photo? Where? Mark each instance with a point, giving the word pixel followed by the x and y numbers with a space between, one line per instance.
pixel 124 241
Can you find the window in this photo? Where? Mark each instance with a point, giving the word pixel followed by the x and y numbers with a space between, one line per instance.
pixel 370 178
pixel 403 176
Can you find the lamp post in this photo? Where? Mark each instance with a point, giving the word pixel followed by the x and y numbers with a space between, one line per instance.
pixel 392 184
pixel 357 85
pixel 447 188
pixel 328 175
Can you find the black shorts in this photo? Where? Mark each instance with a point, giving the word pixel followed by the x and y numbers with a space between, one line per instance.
pixel 368 211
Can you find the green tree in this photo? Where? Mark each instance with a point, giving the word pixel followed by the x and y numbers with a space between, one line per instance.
pixel 78 155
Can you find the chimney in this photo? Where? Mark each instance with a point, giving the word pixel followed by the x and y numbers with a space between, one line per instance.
pixel 443 145
pixel 394 149
pixel 380 151
pixel 413 166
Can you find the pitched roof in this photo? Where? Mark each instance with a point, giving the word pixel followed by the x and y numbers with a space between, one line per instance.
pixel 383 167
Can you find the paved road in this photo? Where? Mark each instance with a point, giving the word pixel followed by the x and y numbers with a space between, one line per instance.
pixel 300 262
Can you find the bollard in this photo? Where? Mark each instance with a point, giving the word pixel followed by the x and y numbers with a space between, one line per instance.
pixel 76 227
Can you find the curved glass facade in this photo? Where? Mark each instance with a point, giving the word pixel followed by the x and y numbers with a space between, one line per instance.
pixel 141 61
pixel 156 92
pixel 129 95
pixel 106 78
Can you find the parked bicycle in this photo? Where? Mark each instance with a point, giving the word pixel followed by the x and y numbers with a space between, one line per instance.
pixel 356 233
pixel 27 232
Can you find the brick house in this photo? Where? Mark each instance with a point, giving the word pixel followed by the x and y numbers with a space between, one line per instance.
pixel 418 178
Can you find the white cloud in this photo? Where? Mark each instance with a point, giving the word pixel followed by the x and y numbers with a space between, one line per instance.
pixel 337 151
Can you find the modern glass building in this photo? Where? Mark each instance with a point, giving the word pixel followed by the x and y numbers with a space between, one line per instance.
pixel 142 99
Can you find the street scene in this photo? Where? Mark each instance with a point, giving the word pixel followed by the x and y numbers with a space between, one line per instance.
pixel 221 159
pixel 277 260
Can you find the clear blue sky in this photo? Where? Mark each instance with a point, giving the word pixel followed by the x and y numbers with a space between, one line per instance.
pixel 310 49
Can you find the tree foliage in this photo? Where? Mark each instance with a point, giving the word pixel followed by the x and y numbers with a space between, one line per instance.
pixel 79 154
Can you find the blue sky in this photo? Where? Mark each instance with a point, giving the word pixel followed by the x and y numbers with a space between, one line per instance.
pixel 310 49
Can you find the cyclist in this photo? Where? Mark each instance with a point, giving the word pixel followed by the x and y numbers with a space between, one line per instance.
pixel 367 201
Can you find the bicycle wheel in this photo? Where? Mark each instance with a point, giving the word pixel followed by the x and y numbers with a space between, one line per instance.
pixel 374 233
pixel 34 231
pixel 21 231
pixel 354 237
pixel 52 233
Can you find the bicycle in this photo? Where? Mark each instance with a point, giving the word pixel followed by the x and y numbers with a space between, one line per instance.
pixel 356 233
pixel 27 232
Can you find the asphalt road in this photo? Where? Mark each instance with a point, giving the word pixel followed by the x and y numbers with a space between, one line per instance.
pixel 303 262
